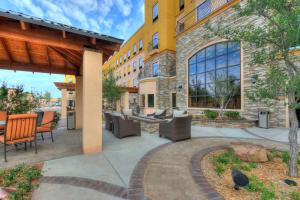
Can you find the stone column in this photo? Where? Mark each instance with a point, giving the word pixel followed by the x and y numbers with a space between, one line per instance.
pixel 78 101
pixel 64 103
pixel 92 101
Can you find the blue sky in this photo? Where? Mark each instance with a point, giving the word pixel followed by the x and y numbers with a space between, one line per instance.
pixel 119 18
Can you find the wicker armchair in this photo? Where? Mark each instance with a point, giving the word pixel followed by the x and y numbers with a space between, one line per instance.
pixel 124 127
pixel 179 128
pixel 108 121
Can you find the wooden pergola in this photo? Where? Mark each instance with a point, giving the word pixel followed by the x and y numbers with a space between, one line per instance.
pixel 37 45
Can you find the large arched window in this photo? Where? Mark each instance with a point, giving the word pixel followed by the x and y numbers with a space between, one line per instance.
pixel 207 65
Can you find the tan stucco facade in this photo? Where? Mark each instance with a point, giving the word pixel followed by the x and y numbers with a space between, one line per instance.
pixel 64 103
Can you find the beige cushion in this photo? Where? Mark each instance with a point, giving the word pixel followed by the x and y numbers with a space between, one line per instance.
pixel 183 115
pixel 127 112
pixel 159 112
pixel 118 115
pixel 178 113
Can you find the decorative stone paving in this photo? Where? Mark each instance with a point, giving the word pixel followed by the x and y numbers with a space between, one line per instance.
pixel 99 186
pixel 170 171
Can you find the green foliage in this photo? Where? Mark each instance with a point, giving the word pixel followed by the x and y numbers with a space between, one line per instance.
pixel 294 195
pixel 229 160
pixel 232 115
pixel 256 185
pixel 16 101
pixel 21 178
pixel 211 114
pixel 284 155
pixel 111 92
pixel 47 96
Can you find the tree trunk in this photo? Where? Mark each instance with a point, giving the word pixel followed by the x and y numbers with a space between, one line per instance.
pixel 293 137
pixel 222 108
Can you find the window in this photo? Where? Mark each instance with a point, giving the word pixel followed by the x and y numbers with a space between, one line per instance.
pixel 143 100
pixel 128 54
pixel 117 62
pixel 181 4
pixel 134 83
pixel 174 100
pixel 218 60
pixel 155 41
pixel 134 64
pixel 150 100
pixel 120 60
pixel 155 69
pixel 134 49
pixel 124 57
pixel 141 44
pixel 128 69
pixel 203 10
pixel 155 12
pixel 140 63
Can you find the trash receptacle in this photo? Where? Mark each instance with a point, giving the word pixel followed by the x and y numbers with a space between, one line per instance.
pixel 263 119
pixel 71 120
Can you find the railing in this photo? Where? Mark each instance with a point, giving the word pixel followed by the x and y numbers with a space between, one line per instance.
pixel 199 13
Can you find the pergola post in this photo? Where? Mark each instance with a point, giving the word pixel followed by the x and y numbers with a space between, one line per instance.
pixel 78 101
pixel 92 101
pixel 64 103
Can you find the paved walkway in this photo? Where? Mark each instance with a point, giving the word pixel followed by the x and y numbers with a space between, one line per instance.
pixel 107 175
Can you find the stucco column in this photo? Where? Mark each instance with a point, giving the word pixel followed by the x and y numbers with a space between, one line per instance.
pixel 78 101
pixel 126 100
pixel 64 103
pixel 92 101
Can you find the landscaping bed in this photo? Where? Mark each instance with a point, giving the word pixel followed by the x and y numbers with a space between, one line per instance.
pixel 266 179
pixel 20 181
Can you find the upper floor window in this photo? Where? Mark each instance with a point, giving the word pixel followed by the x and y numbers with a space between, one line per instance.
pixel 155 12
pixel 128 54
pixel 140 62
pixel 155 41
pixel 117 62
pixel 134 49
pixel 134 83
pixel 203 9
pixel 212 68
pixel 120 60
pixel 155 69
pixel 124 57
pixel 141 44
pixel 134 65
pixel 181 4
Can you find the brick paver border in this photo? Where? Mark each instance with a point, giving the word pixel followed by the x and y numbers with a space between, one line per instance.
pixel 198 176
pixel 100 186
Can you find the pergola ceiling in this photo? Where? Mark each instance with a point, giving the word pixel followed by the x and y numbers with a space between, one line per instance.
pixel 30 44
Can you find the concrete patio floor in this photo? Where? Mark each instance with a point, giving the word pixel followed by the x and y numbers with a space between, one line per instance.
pixel 115 165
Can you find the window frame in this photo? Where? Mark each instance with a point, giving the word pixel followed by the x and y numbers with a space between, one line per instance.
pixel 197 99
pixel 153 72
pixel 134 49
pixel 155 18
pixel 141 44
pixel 181 5
pixel 152 103
pixel 155 37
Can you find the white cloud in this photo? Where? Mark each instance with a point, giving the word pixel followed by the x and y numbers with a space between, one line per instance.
pixel 29 6
pixel 124 6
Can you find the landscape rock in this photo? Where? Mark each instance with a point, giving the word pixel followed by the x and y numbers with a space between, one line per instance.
pixel 249 152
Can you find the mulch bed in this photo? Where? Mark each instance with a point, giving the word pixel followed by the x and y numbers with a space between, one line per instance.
pixel 272 172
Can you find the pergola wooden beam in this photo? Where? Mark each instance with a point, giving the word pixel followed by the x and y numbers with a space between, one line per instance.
pixel 8 53
pixel 28 52
pixel 62 54
pixel 24 25
pixel 36 68
pixel 51 38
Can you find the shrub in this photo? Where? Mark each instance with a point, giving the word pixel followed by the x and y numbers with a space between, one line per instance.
pixel 232 114
pixel 294 195
pixel 220 169
pixel 211 114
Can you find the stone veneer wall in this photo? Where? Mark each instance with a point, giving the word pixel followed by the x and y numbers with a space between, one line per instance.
pixel 165 85
pixel 191 42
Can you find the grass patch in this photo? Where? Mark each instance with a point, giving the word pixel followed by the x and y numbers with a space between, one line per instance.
pixel 228 160
pixel 21 178
pixel 294 195
pixel 256 185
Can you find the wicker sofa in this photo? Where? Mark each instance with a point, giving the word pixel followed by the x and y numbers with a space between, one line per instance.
pixel 177 129
pixel 124 127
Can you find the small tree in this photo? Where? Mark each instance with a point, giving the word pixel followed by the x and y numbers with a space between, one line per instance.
pixel 15 100
pixel 224 89
pixel 47 96
pixel 272 41
pixel 111 92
